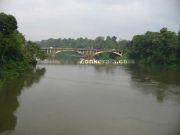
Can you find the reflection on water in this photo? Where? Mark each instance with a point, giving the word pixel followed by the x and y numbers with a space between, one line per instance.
pixel 52 61
pixel 92 99
pixel 107 69
pixel 9 92
pixel 159 81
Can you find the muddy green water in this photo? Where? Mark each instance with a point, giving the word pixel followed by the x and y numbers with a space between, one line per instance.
pixel 91 100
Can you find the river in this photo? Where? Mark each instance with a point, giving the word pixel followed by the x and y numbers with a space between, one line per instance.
pixel 92 100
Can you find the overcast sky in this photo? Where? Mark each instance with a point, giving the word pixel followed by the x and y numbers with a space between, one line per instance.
pixel 43 19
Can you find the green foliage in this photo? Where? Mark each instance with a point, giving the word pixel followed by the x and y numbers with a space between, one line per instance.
pixel 32 51
pixel 8 24
pixel 11 47
pixel 13 69
pixel 98 43
pixel 15 54
pixel 155 47
pixel 11 41
pixel 108 56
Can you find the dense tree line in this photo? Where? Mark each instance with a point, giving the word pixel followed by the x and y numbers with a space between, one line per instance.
pixel 155 48
pixel 98 43
pixel 16 54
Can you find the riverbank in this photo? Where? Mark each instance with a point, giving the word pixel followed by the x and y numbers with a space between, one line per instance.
pixel 14 69
pixel 17 55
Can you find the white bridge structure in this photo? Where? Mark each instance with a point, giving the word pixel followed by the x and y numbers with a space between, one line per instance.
pixel 84 52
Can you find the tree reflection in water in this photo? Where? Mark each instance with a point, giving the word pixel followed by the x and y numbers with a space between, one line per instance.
pixel 108 69
pixel 159 81
pixel 9 92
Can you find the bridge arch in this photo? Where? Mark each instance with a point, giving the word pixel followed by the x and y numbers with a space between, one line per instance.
pixel 84 52
pixel 101 52
pixel 61 51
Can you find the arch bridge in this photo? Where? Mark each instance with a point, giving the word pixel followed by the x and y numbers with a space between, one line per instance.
pixel 84 52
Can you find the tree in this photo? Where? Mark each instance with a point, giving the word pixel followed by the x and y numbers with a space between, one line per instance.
pixel 15 56
pixel 163 30
pixel 32 51
pixel 155 47
pixel 11 41
pixel 114 38
pixel 99 42
pixel 8 23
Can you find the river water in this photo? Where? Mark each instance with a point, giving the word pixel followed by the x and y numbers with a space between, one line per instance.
pixel 91 100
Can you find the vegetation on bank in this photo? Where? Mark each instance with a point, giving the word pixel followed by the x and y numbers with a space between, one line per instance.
pixel 16 54
pixel 159 48
pixel 98 43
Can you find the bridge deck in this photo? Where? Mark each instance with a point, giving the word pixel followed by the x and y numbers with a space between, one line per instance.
pixel 85 52
pixel 80 49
